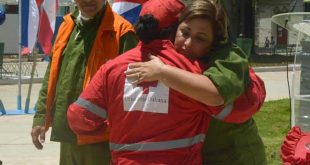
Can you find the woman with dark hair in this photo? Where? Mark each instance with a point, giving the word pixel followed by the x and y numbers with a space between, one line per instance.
pixel 202 35
pixel 149 123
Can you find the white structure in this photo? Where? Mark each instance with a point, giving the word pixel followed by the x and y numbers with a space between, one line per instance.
pixel 299 23
pixel 9 34
pixel 8 1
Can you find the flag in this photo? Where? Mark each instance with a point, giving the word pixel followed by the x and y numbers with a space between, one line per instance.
pixel 38 19
pixel 48 11
pixel 129 9
pixel 29 25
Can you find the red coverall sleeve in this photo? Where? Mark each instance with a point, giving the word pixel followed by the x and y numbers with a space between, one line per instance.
pixel 88 115
pixel 247 104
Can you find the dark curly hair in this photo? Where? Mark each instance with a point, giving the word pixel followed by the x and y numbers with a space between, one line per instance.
pixel 147 29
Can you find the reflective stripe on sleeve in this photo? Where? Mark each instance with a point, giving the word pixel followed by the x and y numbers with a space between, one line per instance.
pixel 91 107
pixel 225 112
pixel 158 146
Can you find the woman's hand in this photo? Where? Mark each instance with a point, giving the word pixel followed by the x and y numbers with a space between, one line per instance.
pixel 145 71
pixel 196 86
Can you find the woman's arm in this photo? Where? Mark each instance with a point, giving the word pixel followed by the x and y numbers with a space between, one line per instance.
pixel 196 86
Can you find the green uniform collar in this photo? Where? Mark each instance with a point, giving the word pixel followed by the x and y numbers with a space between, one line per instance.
pixel 94 21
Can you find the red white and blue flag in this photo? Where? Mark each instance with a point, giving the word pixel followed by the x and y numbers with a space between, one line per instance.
pixel 38 18
pixel 29 25
pixel 129 9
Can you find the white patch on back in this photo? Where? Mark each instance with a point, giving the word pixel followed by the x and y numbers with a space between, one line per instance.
pixel 154 98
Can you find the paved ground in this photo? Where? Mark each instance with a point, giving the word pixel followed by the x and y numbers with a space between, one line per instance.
pixel 16 147
pixel 15 143
pixel 275 84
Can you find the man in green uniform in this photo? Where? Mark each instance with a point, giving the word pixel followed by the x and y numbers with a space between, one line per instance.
pixel 87 38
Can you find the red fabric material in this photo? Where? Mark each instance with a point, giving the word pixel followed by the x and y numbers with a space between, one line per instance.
pixel 295 149
pixel 45 33
pixel 166 11
pixel 108 89
pixel 186 117
pixel 246 105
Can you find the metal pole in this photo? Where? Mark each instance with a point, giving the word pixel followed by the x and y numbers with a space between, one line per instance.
pixel 2 109
pixel 35 52
pixel 19 96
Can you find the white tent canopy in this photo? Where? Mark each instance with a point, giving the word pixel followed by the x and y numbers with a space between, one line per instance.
pixel 291 21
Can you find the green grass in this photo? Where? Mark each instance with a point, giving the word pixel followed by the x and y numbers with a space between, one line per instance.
pixel 273 122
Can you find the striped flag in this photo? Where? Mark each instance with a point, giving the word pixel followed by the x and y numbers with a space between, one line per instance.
pixel 38 18
pixel 48 12
pixel 29 25
pixel 129 9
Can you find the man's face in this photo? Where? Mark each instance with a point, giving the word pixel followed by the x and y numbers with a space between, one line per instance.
pixel 89 8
